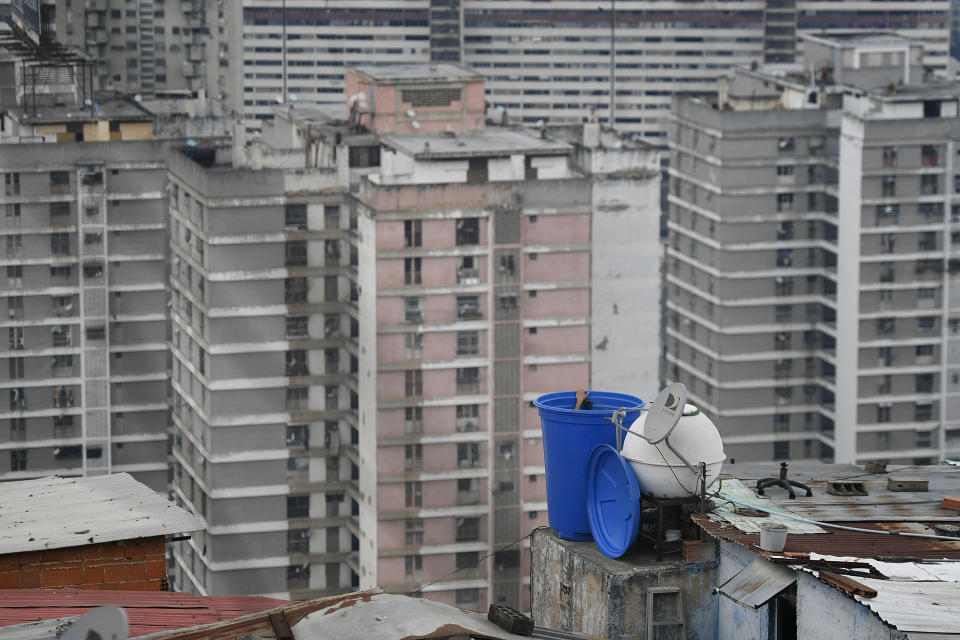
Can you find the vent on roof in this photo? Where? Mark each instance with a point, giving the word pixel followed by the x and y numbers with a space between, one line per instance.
pixel 430 97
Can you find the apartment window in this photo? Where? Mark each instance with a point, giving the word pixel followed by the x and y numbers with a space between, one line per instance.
pixel 786 145
pixel 296 253
pixel 13 214
pixel 784 202
pixel 468 598
pixel 477 170
pixel 888 242
pixel 468 455
pixel 887 214
pixel 18 429
pixel 298 541
pixel 411 270
pixel 468 343
pixel 411 310
pixel 890 156
pixel 298 398
pixel 297 326
pixel 59 182
pixel 931 210
pixel 413 419
pixel 363 157
pixel 413 382
pixel 886 325
pixel 883 413
pixel 68 453
pixel 929 184
pixel 18 460
pixel 61 273
pixel 12 184
pixel 414 345
pixel 468 231
pixel 412 233
pixel 468 417
pixel 468 529
pixel 62 365
pixel 781 341
pixel 927 241
pixel 467 560
pixel 923 412
pixel 298 506
pixel 413 457
pixel 926 323
pixel 413 565
pixel 295 217
pixel 785 170
pixel 924 350
pixel 15 338
pixel 295 290
pixel 781 450
pixel 16 368
pixel 781 422
pixel 785 232
pixel 887 272
pixel 468 308
pixel 60 244
pixel 298 436
pixel 784 257
pixel 413 494
pixel 889 186
pixel 413 532
pixel 783 313
pixel 296 360
pixel 924 383
pixel 14 249
pixel 468 380
pixel 298 576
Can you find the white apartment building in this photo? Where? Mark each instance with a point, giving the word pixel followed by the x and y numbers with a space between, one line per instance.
pixel 811 242
pixel 544 60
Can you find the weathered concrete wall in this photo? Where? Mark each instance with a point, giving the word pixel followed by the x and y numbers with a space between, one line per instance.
pixel 576 588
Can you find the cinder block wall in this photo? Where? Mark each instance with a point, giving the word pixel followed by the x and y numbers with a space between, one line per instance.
pixel 126 565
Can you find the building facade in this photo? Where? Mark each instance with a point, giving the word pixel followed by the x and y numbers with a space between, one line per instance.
pixel 445 277
pixel 543 60
pixel 810 213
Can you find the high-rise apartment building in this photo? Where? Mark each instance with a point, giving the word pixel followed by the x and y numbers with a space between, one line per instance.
pixel 84 225
pixel 811 215
pixel 544 60
pixel 368 299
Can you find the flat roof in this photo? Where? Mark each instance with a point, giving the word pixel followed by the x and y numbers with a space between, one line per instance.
pixel 861 39
pixel 113 108
pixel 492 142
pixel 421 73
pixel 55 512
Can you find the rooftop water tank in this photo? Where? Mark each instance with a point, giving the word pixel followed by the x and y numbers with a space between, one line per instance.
pixel 661 473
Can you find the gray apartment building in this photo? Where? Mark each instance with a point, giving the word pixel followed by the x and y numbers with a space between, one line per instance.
pixel 811 213
pixel 544 60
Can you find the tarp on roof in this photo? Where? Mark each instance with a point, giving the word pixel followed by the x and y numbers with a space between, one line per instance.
pixel 757 583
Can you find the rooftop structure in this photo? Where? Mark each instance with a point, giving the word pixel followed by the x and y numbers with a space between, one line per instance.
pixel 826 581
pixel 48 513
pixel 811 220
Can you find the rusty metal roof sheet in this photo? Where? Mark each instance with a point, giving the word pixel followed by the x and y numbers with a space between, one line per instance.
pixel 758 582
pixel 148 612
pixel 845 543
pixel 54 512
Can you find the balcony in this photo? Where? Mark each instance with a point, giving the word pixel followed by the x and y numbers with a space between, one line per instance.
pixel 468 276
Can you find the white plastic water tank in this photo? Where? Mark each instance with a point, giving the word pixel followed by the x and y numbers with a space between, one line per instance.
pixel 660 472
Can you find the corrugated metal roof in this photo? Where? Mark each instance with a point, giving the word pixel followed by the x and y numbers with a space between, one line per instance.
pixel 923 598
pixel 880 505
pixel 845 543
pixel 756 583
pixel 54 512
pixel 148 612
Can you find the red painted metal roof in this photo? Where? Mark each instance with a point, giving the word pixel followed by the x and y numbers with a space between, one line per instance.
pixel 147 611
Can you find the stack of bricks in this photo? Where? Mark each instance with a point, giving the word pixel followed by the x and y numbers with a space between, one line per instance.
pixel 126 565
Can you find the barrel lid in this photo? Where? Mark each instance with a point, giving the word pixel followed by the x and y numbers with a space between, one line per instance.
pixel 613 501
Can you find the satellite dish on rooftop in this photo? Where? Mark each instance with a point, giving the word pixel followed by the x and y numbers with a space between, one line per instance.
pixel 415 124
pixel 279 99
pixel 665 412
pixel 105 623
pixel 411 113
pixel 293 97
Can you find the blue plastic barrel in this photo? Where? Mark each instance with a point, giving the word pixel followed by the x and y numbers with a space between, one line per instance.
pixel 568 439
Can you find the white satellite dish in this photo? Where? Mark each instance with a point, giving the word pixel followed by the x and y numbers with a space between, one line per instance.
pixel 411 113
pixel 293 97
pixel 665 412
pixel 415 124
pixel 279 99
pixel 105 623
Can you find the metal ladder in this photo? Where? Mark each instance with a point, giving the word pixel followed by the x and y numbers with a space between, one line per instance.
pixel 653 623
